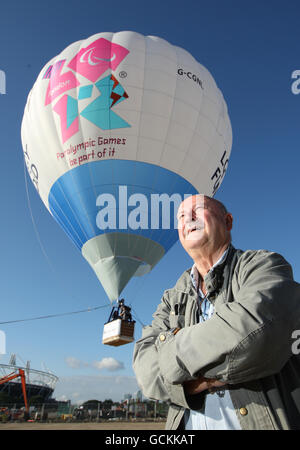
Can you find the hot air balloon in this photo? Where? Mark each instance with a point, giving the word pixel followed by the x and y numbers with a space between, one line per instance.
pixel 118 128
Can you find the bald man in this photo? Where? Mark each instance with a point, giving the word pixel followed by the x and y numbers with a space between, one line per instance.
pixel 219 349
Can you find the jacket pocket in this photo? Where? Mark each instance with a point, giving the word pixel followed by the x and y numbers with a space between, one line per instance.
pixel 173 320
pixel 176 320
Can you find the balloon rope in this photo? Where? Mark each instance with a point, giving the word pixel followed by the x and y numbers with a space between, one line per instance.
pixel 137 318
pixel 49 316
pixel 33 221
pixel 44 252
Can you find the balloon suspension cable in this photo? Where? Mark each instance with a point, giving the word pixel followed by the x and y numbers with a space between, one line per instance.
pixel 136 316
pixel 33 222
pixel 50 316
pixel 50 265
pixel 132 309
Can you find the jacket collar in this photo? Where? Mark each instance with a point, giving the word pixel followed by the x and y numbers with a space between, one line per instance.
pixel 214 279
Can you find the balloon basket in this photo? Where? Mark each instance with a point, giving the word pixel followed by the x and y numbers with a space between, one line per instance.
pixel 118 332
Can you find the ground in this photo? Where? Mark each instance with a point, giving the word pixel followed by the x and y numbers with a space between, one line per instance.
pixel 83 426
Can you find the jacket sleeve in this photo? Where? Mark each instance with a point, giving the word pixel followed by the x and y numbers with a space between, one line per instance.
pixel 246 339
pixel 147 360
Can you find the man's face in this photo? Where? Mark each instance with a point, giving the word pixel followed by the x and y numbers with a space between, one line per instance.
pixel 202 222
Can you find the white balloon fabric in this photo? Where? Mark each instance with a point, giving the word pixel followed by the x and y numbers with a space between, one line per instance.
pixel 112 124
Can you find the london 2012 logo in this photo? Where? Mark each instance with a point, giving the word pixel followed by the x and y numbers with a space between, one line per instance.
pixel 90 62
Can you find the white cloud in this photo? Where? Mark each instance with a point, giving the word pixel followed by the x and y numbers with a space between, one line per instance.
pixel 110 364
pixel 74 363
pixel 62 398
pixel 79 389
pixel 76 395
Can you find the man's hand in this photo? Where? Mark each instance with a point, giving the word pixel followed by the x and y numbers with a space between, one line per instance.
pixel 201 384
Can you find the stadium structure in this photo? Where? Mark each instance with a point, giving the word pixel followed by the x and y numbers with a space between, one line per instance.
pixel 38 383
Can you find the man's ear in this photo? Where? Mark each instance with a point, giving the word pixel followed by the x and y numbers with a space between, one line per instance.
pixel 229 221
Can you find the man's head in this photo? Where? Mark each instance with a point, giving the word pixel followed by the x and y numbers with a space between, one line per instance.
pixel 203 225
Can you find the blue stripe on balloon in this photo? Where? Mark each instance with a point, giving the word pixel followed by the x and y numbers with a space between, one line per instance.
pixel 72 198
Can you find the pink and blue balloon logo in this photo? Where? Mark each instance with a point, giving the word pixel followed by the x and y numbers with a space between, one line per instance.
pixel 90 62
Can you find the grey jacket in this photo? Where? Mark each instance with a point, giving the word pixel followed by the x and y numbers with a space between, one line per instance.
pixel 247 343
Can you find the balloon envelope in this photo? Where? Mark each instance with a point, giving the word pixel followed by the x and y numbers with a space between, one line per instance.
pixel 117 129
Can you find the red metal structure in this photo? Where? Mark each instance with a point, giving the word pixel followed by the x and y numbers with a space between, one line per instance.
pixel 14 375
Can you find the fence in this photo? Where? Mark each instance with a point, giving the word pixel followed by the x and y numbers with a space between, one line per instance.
pixel 65 411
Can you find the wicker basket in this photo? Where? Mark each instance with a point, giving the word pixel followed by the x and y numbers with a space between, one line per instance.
pixel 118 332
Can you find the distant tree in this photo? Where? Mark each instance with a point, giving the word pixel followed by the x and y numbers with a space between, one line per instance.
pixel 107 404
pixel 92 404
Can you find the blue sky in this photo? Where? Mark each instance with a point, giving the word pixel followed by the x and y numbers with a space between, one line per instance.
pixel 251 49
